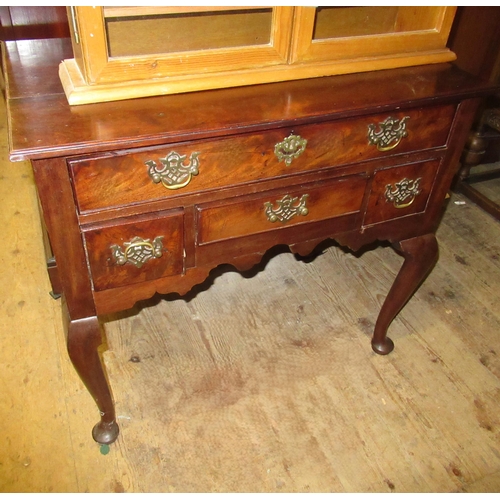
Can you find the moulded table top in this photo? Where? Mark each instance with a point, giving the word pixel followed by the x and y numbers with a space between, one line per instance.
pixel 42 124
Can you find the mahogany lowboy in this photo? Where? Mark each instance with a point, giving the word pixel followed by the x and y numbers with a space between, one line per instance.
pixel 148 195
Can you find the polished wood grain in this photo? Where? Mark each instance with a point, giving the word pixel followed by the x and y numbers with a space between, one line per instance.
pixel 251 215
pixel 421 254
pixel 108 273
pixel 115 180
pixel 380 210
pixel 228 218
pixel 32 22
pixel 239 412
pixel 58 208
pixel 83 340
pixel 45 125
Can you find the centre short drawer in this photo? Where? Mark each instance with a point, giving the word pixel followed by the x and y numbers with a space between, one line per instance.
pixel 130 177
pixel 131 251
pixel 278 209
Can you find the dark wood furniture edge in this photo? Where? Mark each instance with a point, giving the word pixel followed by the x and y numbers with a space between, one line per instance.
pixel 419 248
pixel 474 152
pixel 49 100
pixel 466 188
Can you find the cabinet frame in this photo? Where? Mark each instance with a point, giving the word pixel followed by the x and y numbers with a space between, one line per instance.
pixel 92 76
pixel 409 43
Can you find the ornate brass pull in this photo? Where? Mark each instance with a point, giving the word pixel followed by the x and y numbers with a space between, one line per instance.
pixel 404 192
pixel 173 174
pixel 290 148
pixel 389 133
pixel 138 251
pixel 286 209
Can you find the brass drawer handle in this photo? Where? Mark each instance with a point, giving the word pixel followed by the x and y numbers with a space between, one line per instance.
pixel 172 173
pixel 389 133
pixel 404 192
pixel 286 209
pixel 290 148
pixel 138 251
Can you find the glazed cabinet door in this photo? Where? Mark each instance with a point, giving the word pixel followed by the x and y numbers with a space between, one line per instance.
pixel 113 44
pixel 126 52
pixel 347 33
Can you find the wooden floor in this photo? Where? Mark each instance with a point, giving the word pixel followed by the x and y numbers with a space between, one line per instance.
pixel 265 384
pixel 489 189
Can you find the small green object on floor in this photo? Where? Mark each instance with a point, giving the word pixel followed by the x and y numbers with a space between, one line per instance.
pixel 104 449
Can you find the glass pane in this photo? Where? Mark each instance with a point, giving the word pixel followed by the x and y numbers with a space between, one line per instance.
pixel 341 22
pixel 181 31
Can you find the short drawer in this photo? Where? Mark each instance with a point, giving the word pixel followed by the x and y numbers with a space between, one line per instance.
pixel 124 178
pixel 135 251
pixel 278 209
pixel 400 191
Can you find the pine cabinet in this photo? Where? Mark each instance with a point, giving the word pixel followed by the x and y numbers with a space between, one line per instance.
pixel 128 52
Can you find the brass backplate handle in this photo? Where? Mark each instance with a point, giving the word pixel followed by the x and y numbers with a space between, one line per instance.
pixel 138 251
pixel 286 208
pixel 388 134
pixel 403 193
pixel 172 172
pixel 290 148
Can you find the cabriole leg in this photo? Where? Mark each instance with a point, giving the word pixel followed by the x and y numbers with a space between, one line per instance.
pixel 421 254
pixel 84 337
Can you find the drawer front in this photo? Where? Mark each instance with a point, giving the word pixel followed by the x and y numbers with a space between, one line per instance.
pixel 400 191
pixel 176 169
pixel 136 251
pixel 278 209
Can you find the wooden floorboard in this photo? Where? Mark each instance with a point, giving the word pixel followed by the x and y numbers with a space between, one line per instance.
pixel 260 383
pixel 491 187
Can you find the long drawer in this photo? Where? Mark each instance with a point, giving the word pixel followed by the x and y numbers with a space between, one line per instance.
pixel 176 169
